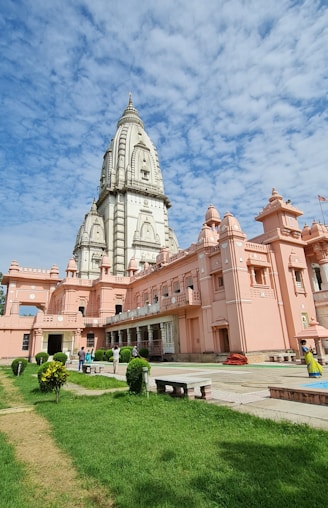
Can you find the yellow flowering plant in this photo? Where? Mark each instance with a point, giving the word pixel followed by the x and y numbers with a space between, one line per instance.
pixel 54 377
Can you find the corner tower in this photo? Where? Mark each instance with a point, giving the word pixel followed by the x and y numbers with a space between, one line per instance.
pixel 131 200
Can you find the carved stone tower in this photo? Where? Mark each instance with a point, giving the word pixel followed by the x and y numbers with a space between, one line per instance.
pixel 131 204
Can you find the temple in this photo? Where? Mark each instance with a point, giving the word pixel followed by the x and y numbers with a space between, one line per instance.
pixel 129 283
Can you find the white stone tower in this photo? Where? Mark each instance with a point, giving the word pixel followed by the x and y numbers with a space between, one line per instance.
pixel 131 203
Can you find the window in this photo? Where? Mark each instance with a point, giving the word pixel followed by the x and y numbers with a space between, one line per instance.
pixel 176 287
pixel 218 281
pixel 118 309
pixel 189 282
pixel 298 281
pixel 26 341
pixel 90 340
pixel 82 309
pixel 259 276
pixel 165 291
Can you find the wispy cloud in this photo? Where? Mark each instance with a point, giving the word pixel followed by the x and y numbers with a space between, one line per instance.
pixel 233 94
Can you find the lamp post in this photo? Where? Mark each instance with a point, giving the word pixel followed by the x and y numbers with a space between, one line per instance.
pixel 145 379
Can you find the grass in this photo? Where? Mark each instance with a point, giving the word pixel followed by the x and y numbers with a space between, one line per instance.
pixel 94 382
pixel 2 398
pixel 163 453
pixel 13 491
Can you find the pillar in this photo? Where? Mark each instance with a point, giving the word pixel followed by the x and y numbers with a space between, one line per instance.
pixel 324 273
pixel 138 337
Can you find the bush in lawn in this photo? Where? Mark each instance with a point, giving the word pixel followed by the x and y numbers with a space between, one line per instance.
pixel 54 377
pixel 108 355
pixel 41 357
pixel 15 365
pixel 134 376
pixel 125 355
pixel 60 357
pixel 144 353
pixel 43 387
pixel 99 355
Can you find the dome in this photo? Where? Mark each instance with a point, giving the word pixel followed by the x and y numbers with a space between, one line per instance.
pixel 105 261
pixel 212 216
pixel 306 232
pixel 71 265
pixel 316 228
pixel 229 222
pixel 275 196
pixel 14 267
pixel 133 265
pixel 208 236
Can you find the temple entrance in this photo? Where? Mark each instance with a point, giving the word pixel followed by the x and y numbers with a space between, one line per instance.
pixel 54 344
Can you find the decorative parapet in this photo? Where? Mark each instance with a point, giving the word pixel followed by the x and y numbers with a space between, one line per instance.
pixel 60 321
pixel 169 303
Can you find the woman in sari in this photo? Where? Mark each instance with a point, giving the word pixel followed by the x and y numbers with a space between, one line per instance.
pixel 314 368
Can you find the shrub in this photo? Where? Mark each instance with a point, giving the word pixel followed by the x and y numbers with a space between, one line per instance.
pixel 15 365
pixel 108 354
pixel 134 376
pixel 60 357
pixel 125 355
pixel 41 357
pixel 144 352
pixel 99 355
pixel 43 387
pixel 54 377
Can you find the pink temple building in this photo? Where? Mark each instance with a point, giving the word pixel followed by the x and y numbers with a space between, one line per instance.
pixel 129 283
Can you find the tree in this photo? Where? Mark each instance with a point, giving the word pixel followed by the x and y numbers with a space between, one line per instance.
pixel 2 297
pixel 54 377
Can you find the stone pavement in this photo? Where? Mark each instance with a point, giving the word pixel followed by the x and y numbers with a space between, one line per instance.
pixel 245 388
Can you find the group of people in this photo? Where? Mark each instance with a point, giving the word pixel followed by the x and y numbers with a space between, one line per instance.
pixel 88 357
pixel 85 357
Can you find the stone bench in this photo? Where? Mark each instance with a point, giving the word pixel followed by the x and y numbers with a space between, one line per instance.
pixel 88 368
pixel 283 357
pixel 185 386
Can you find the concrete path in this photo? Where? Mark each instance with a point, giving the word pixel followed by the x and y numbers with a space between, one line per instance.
pixel 245 388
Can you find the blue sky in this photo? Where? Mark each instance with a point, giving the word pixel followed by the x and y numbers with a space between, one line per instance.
pixel 233 94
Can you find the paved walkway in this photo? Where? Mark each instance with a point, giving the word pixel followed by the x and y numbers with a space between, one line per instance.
pixel 245 388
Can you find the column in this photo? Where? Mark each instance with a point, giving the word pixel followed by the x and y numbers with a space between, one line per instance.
pixel 119 337
pixel 138 337
pixel 324 273
pixel 320 351
pixel 128 336
pixel 150 338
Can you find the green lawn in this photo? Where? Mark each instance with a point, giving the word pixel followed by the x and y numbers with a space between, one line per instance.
pixel 163 453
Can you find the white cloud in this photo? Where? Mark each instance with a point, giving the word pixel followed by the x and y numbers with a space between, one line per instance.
pixel 232 93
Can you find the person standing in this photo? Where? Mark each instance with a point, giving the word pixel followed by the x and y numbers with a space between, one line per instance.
pixel 88 357
pixel 314 368
pixel 116 357
pixel 92 354
pixel 135 353
pixel 81 356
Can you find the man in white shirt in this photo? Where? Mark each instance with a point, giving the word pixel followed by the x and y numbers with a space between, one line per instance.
pixel 116 357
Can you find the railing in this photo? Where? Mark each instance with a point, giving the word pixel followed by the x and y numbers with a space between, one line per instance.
pixel 148 309
pixel 94 322
pixel 175 301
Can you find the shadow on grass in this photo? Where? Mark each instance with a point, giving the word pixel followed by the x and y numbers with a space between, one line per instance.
pixel 265 475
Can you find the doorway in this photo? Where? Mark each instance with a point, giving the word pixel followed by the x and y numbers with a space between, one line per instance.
pixel 54 344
